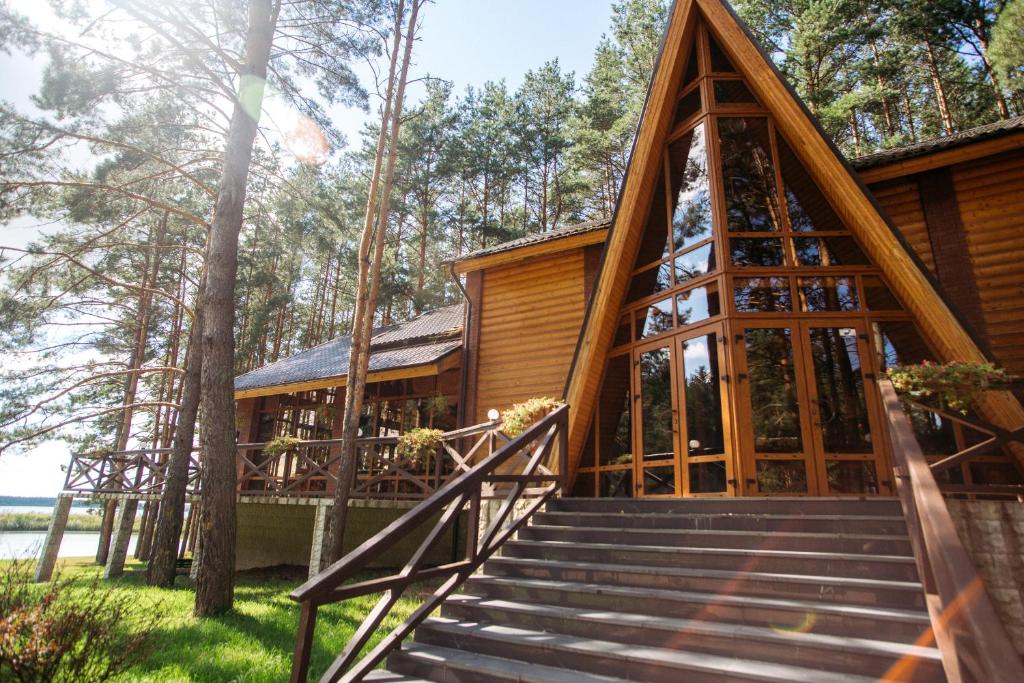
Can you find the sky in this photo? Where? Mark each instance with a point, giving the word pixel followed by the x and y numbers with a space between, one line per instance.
pixel 467 42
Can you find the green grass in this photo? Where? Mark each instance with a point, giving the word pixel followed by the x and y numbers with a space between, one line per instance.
pixel 40 521
pixel 253 643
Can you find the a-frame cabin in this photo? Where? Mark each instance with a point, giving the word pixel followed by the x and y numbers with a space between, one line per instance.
pixel 750 293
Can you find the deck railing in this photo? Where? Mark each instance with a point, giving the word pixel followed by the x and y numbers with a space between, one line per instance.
pixel 515 473
pixel 968 631
pixel 309 469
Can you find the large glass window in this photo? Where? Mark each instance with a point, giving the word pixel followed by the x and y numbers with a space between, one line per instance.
pixel 697 304
pixel 762 295
pixel 840 390
pixel 774 405
pixel 656 403
pixel 748 174
pixel 703 396
pixel 615 440
pixel 691 193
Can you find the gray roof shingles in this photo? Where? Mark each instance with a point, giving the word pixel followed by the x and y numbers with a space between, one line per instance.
pixel 422 340
pixel 978 134
pixel 537 238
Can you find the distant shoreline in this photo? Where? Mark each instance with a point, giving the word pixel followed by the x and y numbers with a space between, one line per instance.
pixel 37 521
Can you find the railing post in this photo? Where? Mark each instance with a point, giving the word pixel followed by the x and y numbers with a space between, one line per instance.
pixel 563 454
pixel 303 643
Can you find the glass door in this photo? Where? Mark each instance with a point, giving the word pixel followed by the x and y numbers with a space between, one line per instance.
pixel 773 418
pixel 657 419
pixel 843 409
pixel 704 399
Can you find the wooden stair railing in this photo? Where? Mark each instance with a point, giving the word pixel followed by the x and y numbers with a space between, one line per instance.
pixel 490 478
pixel 969 633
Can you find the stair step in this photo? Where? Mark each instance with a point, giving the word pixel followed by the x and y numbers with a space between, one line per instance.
pixel 635 662
pixel 458 666
pixel 850 590
pixel 384 676
pixel 729 521
pixel 897 625
pixel 869 544
pixel 828 652
pixel 896 567
pixel 846 506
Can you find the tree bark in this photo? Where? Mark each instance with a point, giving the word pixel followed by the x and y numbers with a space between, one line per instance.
pixel 940 90
pixel 164 551
pixel 367 287
pixel 215 581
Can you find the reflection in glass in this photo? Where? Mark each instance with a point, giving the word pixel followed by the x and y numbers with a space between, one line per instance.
pixel 828 293
pixel 995 473
pixel 748 174
pixel 692 70
pixel 691 212
pixel 840 385
pixel 695 263
pixel 660 481
pixel 851 476
pixel 654 319
pixel 773 394
pixel 781 476
pixel 650 281
pixel 877 296
pixel 614 424
pixel 699 303
pixel 719 62
pixel 703 396
pixel 707 477
pixel 688 105
pixel 616 484
pixel 584 485
pixel 756 252
pixel 829 251
pixel 733 92
pixel 807 206
pixel 656 403
pixel 762 294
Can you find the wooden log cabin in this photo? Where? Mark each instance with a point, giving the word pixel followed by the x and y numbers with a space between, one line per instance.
pixel 723 334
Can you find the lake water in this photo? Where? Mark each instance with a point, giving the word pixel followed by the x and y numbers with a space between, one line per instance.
pixel 24 545
pixel 44 509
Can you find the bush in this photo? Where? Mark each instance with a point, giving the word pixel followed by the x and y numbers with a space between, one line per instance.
pixel 520 416
pixel 953 385
pixel 68 631
pixel 419 444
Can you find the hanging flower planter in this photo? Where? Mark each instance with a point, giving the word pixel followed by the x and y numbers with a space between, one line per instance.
pixel 520 416
pixel 953 386
pixel 416 446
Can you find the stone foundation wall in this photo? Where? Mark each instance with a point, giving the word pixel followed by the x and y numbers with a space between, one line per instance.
pixel 272 534
pixel 993 534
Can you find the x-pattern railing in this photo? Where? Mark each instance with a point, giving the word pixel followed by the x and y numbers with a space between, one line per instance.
pixel 515 473
pixel 136 472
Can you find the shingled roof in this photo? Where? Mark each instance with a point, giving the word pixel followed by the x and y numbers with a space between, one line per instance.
pixel 557 233
pixel 966 137
pixel 420 341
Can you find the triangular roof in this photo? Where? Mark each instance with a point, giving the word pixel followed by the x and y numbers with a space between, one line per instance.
pixel 826 166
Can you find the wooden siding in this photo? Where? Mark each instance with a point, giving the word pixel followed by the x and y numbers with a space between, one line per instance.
pixel 990 193
pixel 902 201
pixel 530 318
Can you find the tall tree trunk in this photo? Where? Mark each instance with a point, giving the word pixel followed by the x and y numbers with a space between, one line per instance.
pixel 890 128
pixel 164 551
pixel 940 90
pixel 215 583
pixel 997 88
pixel 374 228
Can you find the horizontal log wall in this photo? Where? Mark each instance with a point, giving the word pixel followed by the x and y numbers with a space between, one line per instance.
pixel 530 319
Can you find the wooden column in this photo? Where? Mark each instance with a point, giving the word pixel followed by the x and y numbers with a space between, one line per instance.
pixel 122 537
pixel 54 535
pixel 948 240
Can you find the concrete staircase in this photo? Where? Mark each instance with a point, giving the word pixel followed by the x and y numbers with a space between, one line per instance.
pixel 756 589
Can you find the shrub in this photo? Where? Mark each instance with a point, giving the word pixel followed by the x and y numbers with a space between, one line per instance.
pixel 66 631
pixel 281 445
pixel 416 445
pixel 953 385
pixel 520 416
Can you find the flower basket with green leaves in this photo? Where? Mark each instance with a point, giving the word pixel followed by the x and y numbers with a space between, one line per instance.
pixel 952 386
pixel 281 445
pixel 519 417
pixel 418 445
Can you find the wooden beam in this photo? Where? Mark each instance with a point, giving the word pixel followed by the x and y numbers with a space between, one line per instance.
pixel 449 361
pixel 947 157
pixel 518 254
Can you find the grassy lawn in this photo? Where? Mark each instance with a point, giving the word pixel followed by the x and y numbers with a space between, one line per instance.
pixel 252 643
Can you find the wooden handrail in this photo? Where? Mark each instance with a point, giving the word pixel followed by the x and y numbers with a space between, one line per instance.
pixel 462 493
pixel 968 631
